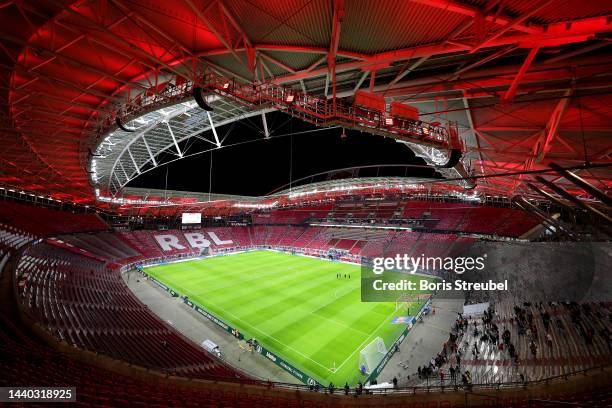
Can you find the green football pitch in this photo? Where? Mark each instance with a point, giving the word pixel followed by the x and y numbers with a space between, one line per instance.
pixel 295 306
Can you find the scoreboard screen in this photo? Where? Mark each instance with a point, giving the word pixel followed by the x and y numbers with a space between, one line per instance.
pixel 192 218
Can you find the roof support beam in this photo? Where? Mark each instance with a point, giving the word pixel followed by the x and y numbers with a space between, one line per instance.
pixel 234 22
pixel 68 102
pixel 137 50
pixel 226 71
pixel 509 95
pixel 466 10
pixel 548 222
pixel 212 29
pixel 550 197
pixel 250 50
pixel 265 125
pixel 124 172
pixel 178 149
pixel 148 23
pixel 583 184
pixel 277 62
pixel 409 69
pixel 326 90
pixel 266 68
pixel 574 199
pixel 117 178
pixel 337 17
pixel 149 150
pixel 316 63
pixel 214 130
pixel 133 160
pixel 364 75
pixel 557 33
pixel 70 60
pixel 310 50
pixel 552 127
pixel 475 133
pixel 579 51
pixel 484 60
pixel 512 25
pixel 58 81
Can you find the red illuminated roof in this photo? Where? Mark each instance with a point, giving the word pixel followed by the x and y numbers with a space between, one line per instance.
pixel 528 81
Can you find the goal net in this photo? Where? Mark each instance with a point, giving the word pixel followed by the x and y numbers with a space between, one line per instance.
pixel 372 354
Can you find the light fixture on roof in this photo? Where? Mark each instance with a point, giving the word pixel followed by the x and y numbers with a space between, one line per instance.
pixel 389 121
pixel 289 97
pixel 226 85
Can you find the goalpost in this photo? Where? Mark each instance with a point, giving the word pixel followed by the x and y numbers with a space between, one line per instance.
pixel 372 354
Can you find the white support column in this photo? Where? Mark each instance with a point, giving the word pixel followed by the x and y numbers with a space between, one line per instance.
pixel 149 150
pixel 124 172
pixel 178 149
pixel 265 125
pixel 212 126
pixel 133 161
pixel 117 178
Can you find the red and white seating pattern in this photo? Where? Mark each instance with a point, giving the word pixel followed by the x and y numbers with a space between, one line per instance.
pixel 48 222
pixel 11 238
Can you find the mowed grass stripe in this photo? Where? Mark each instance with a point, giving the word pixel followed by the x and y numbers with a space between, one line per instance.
pixel 293 305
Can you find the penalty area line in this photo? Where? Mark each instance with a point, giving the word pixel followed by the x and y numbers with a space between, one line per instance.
pixel 366 340
pixel 261 332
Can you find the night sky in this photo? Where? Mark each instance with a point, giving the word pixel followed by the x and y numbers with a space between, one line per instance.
pixel 251 165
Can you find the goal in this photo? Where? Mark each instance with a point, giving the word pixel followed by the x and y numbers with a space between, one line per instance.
pixel 372 354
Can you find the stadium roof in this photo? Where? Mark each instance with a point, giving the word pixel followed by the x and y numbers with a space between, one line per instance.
pixel 143 201
pixel 527 81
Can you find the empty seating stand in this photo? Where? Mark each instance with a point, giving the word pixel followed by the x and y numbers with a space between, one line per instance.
pixel 11 238
pixel 48 222
pixel 82 302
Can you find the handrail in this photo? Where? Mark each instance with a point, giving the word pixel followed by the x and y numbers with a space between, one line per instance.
pixel 318 110
pixel 327 112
